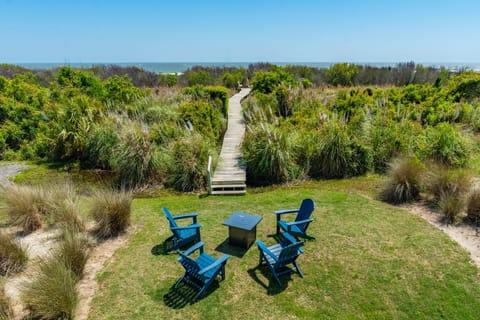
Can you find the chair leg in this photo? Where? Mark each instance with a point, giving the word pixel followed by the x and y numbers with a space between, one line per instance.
pixel 222 272
pixel 276 276
pixel 179 281
pixel 298 269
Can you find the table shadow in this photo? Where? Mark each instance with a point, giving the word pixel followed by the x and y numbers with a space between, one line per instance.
pixel 227 248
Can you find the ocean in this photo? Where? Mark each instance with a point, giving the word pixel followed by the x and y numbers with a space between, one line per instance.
pixel 180 67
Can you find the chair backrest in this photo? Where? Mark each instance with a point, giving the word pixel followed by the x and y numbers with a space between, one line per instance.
pixel 190 265
pixel 289 253
pixel 306 209
pixel 169 218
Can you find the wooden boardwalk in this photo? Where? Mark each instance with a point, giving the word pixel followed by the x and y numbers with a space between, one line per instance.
pixel 230 175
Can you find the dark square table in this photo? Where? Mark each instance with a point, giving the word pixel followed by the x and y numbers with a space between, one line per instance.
pixel 242 229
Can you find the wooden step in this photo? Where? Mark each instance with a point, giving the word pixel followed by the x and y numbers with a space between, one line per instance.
pixel 232 193
pixel 229 186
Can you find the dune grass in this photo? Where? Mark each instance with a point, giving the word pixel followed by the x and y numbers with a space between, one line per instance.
pixel 370 261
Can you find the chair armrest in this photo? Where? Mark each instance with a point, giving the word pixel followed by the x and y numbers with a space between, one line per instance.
pixel 186 216
pixel 192 249
pixel 222 260
pixel 264 248
pixel 192 226
pixel 279 212
pixel 299 222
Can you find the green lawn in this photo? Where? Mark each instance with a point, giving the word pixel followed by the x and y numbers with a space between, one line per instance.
pixel 369 261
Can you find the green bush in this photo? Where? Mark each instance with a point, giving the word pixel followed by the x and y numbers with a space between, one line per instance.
pixel 50 292
pixel 120 90
pixel 269 154
pixel 205 119
pixel 187 164
pixel 135 158
pixel 266 82
pixel 73 252
pixel 404 180
pixel 13 257
pixel 6 311
pixel 451 206
pixel 446 145
pixel 111 212
pixel 341 74
pixel 473 206
pixel 219 96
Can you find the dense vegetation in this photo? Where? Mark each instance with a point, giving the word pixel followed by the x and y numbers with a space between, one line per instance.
pixel 300 124
pixel 336 133
pixel 112 124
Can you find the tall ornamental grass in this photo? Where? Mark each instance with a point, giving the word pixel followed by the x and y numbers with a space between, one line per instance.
pixel 13 257
pixel 473 206
pixel 337 155
pixel 451 206
pixel 441 181
pixel 269 154
pixel 6 311
pixel 73 251
pixel 135 158
pixel 404 180
pixel 50 292
pixel 187 163
pixel 27 206
pixel 111 212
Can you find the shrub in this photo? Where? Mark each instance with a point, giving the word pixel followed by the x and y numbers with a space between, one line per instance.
pixel 188 163
pixel 446 145
pixel 268 152
pixel 451 206
pixel 219 96
pixel 13 257
pixel 111 212
pixel 205 118
pixel 473 206
pixel 50 292
pixel 135 158
pixel 404 180
pixel 443 181
pixel 73 252
pixel 6 311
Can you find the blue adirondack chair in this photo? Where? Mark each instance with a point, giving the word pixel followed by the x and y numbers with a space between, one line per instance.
pixel 279 256
pixel 182 235
pixel 297 228
pixel 200 272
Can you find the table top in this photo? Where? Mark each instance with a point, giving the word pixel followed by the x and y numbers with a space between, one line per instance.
pixel 242 220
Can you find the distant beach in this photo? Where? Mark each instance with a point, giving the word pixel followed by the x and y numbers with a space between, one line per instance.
pixel 181 67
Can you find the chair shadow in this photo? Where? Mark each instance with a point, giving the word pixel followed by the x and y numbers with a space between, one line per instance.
pixel 184 294
pixel 227 248
pixel 165 247
pixel 272 286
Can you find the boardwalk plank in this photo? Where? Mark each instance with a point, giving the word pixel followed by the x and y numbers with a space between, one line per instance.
pixel 230 170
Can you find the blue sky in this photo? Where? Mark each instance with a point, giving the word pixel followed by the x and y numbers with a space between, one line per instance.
pixel 234 31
